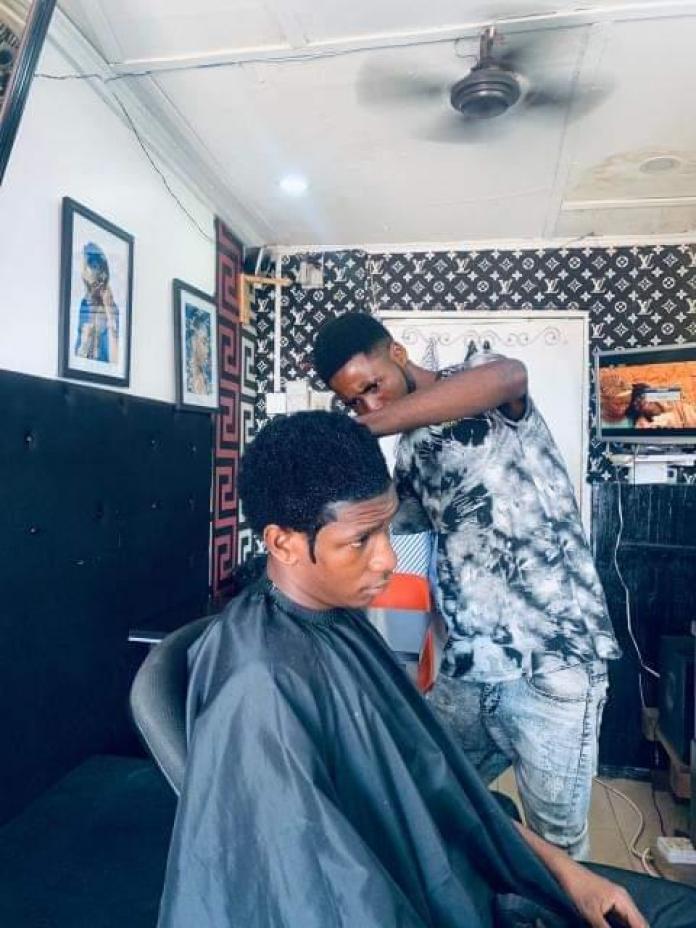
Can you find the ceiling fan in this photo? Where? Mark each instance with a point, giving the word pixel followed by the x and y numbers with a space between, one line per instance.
pixel 497 85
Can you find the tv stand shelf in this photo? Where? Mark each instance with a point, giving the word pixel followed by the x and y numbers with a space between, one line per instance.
pixel 658 547
pixel 628 459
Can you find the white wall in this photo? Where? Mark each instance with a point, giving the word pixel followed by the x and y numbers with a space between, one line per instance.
pixel 71 144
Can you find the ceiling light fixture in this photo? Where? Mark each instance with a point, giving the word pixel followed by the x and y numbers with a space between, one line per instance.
pixel 294 185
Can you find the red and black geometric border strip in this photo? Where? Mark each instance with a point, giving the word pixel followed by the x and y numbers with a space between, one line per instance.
pixel 229 257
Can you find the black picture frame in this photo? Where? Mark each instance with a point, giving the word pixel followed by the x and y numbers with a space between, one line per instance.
pixel 96 298
pixel 195 330
pixel 21 75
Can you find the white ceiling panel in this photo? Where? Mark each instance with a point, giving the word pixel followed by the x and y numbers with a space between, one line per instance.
pixel 332 21
pixel 306 118
pixel 173 28
pixel 296 87
pixel 649 116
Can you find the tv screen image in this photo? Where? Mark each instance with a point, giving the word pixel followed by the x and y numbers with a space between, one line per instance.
pixel 647 395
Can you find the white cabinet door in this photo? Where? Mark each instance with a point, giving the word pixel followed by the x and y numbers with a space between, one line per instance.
pixel 554 346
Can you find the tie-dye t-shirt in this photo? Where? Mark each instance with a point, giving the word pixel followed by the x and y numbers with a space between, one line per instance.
pixel 517 583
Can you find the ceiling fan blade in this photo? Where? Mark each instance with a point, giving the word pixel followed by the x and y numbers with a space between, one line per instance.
pixel 541 98
pixel 578 101
pixel 456 130
pixel 381 86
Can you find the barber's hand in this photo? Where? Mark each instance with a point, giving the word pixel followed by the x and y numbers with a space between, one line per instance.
pixel 596 898
pixel 367 419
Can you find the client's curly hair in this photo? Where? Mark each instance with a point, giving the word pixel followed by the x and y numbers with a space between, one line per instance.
pixel 299 465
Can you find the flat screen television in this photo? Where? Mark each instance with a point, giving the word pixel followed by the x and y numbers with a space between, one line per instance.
pixel 647 395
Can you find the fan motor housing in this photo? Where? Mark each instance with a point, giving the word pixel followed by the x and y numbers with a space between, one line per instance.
pixel 487 92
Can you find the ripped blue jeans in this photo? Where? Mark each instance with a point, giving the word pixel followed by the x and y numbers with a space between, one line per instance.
pixel 547 728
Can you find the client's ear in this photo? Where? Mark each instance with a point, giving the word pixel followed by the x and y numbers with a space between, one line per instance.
pixel 398 354
pixel 284 544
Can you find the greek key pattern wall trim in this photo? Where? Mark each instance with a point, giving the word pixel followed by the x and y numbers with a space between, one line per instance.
pixel 227 442
pixel 635 296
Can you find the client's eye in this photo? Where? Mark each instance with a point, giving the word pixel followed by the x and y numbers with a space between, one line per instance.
pixel 360 542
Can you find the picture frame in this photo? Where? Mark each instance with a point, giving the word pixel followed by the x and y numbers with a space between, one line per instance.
pixel 195 348
pixel 22 35
pixel 96 296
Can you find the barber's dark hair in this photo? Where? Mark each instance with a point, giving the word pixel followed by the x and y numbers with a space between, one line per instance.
pixel 299 465
pixel 341 338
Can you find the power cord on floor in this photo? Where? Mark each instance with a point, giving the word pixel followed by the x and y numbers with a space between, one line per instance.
pixel 643 856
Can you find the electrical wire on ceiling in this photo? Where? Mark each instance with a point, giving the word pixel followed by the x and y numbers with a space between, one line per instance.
pixel 131 125
pixel 161 175
pixel 290 58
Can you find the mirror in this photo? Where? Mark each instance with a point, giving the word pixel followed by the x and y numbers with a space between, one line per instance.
pixel 23 27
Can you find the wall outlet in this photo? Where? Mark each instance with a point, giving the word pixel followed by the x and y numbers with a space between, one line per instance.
pixel 310 275
pixel 676 850
pixel 276 404
pixel 649 472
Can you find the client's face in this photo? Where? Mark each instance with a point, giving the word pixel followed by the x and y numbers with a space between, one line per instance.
pixel 353 556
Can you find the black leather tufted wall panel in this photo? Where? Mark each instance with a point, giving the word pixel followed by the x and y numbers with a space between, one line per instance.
pixel 105 526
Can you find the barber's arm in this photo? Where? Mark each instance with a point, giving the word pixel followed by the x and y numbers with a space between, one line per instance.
pixel 501 383
pixel 594 897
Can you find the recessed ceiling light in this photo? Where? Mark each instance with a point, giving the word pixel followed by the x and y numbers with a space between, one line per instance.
pixel 660 164
pixel 294 185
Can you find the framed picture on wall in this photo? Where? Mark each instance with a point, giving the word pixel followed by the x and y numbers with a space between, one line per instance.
pixel 195 348
pixel 96 293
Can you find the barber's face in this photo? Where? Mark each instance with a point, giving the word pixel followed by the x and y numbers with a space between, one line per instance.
pixel 353 556
pixel 368 382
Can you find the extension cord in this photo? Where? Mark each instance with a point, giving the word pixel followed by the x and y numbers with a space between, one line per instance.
pixel 676 850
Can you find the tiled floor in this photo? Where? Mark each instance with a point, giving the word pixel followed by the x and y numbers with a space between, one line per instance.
pixel 613 822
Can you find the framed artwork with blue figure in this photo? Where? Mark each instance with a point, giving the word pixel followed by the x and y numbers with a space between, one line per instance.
pixel 96 298
pixel 196 348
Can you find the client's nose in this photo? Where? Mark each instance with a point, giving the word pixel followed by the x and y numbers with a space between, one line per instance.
pixel 383 558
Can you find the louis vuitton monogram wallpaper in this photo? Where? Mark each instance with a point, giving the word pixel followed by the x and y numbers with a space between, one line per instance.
pixel 637 296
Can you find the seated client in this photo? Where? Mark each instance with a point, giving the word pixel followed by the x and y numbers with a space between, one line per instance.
pixel 320 789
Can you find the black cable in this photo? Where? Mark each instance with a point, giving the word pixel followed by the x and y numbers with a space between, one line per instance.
pixel 300 58
pixel 656 762
pixel 164 180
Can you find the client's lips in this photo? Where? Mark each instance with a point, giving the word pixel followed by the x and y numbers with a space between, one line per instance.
pixel 373 591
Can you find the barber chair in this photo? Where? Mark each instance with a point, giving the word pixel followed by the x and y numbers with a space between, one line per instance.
pixel 403 613
pixel 158 699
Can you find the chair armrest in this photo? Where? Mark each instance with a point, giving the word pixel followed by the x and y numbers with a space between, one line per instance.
pixel 146 636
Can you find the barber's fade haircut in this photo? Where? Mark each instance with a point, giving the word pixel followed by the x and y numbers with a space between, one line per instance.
pixel 298 466
pixel 341 338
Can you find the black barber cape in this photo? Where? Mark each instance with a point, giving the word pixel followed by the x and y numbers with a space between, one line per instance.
pixel 320 790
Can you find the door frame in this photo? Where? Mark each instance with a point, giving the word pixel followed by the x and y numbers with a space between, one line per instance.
pixel 520 315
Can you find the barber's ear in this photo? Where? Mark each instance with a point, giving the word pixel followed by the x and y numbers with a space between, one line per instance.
pixel 284 544
pixel 398 354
